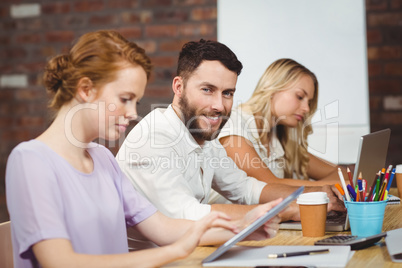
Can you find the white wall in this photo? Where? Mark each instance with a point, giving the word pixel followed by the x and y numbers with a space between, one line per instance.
pixel 329 38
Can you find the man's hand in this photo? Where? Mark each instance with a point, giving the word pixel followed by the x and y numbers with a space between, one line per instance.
pixel 269 229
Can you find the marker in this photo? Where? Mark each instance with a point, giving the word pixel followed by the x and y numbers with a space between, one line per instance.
pixel 345 189
pixel 298 253
pixel 360 186
pixel 340 190
pixel 357 193
pixel 351 192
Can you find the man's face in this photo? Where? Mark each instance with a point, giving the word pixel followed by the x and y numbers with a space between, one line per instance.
pixel 207 99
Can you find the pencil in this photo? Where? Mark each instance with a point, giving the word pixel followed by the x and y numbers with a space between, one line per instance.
pixel 350 177
pixel 370 197
pixel 298 253
pixel 345 189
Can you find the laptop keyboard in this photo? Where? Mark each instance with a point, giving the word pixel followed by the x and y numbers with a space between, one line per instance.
pixel 336 217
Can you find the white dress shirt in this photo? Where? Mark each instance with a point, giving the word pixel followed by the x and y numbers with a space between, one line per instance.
pixel 166 164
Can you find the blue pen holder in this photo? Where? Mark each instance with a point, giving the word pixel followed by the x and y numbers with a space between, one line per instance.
pixel 366 218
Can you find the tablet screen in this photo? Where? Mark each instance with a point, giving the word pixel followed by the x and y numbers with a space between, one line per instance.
pixel 254 226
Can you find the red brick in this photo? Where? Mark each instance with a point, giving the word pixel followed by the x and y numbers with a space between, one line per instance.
pixel 117 4
pixel 188 2
pixel 4 12
pixel 208 13
pixel 28 94
pixel 4 40
pixel 164 61
pixel 161 31
pixel 392 35
pixel 132 32
pixel 30 121
pixel 130 17
pixel 172 45
pixel 158 91
pixel 13 53
pixel 385 86
pixel 385 19
pixel 56 8
pixel 6 95
pixel 16 135
pixel 391 118
pixel 396 4
pixel 384 52
pixel 28 38
pixel 171 15
pixel 198 29
pixel 103 20
pixel 89 6
pixel 6 122
pixel 59 36
pixel 32 24
pixel 157 3
pixel 374 37
pixel 149 46
pixel 393 68
pixel 375 103
pixel 376 5
pixel 374 69
pixel 31 67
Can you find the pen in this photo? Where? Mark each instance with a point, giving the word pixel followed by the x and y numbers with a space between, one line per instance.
pixel 364 189
pixel 343 184
pixel 298 253
pixel 340 189
pixel 352 192
pixel 390 179
pixel 389 184
pixel 370 197
pixel 377 188
pixel 360 185
pixel 350 177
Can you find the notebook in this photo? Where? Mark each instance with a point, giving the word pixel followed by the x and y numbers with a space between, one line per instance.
pixel 371 157
pixel 253 226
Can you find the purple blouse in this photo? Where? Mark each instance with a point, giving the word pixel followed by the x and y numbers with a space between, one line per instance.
pixel 48 198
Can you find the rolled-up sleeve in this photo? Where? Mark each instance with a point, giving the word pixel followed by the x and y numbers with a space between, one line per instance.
pixel 232 182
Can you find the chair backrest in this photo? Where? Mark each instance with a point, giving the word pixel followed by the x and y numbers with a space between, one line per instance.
pixel 6 249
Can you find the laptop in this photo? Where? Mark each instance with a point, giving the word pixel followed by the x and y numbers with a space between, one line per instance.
pixel 253 226
pixel 371 157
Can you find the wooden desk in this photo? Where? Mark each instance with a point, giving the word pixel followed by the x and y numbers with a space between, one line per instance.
pixel 375 256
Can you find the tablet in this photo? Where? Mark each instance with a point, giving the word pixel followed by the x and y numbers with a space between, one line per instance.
pixel 254 226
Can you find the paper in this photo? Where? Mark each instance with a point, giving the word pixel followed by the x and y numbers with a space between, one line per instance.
pixel 258 256
pixel 393 241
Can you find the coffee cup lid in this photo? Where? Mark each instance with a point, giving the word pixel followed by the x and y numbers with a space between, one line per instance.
pixel 314 198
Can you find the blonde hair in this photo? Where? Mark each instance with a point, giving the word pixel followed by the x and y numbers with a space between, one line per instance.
pixel 96 55
pixel 279 76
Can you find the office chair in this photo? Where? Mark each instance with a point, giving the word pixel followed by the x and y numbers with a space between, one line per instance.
pixel 6 250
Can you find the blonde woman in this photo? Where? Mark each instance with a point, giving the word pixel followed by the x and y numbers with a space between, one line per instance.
pixel 267 135
pixel 69 202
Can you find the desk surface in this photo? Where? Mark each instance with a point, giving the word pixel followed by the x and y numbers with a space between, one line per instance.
pixel 375 256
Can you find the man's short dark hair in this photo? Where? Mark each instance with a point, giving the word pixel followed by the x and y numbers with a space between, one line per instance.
pixel 193 53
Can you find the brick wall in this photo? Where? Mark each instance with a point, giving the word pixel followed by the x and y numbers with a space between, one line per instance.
pixel 384 52
pixel 32 31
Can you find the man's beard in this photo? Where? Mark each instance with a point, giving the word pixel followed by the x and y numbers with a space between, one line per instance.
pixel 191 120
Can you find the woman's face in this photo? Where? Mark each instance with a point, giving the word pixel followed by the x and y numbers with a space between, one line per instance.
pixel 117 102
pixel 290 106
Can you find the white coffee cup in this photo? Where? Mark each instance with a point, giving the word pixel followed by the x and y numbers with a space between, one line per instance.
pixel 313 213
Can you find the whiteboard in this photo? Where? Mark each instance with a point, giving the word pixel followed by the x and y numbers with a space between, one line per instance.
pixel 329 38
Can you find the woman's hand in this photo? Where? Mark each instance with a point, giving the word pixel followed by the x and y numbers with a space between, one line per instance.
pixel 186 244
pixel 270 228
